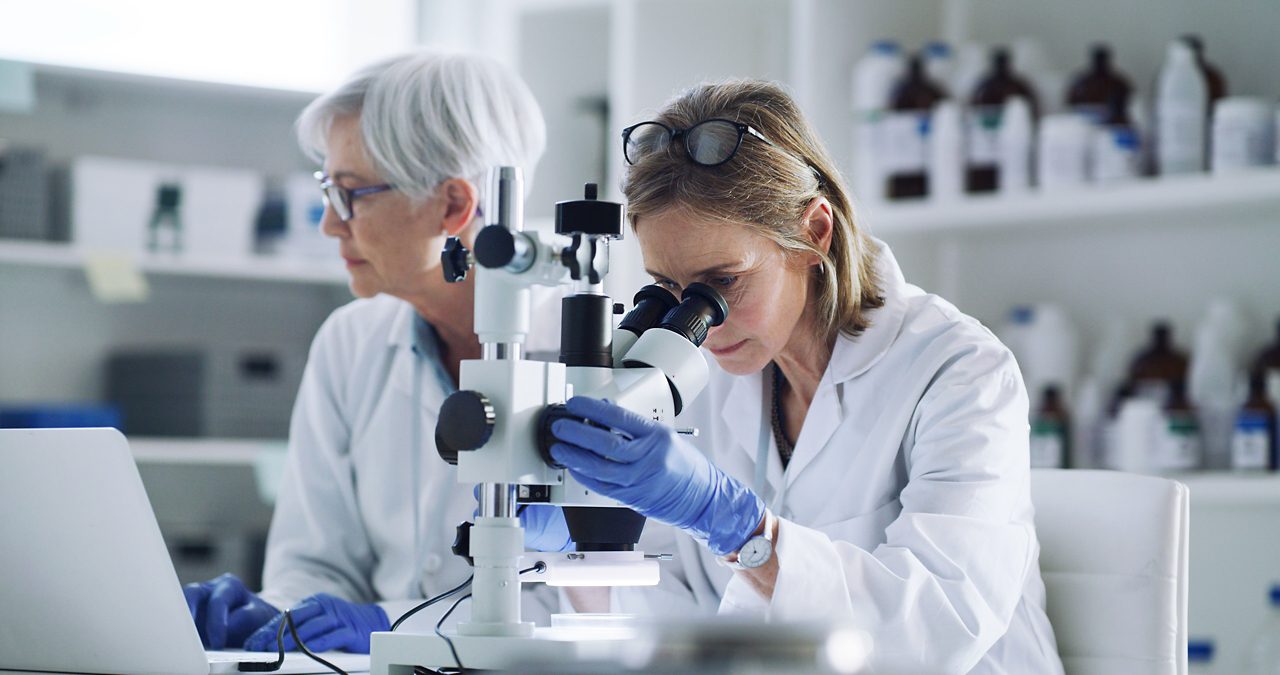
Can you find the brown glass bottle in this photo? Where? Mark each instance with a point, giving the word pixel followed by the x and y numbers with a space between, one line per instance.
pixel 906 126
pixel 1155 369
pixel 1254 444
pixel 1213 77
pixel 986 105
pixel 1051 432
pixel 1267 365
pixel 1181 448
pixel 1099 91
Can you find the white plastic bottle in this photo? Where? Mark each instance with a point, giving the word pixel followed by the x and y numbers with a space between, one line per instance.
pixel 1015 141
pixel 939 62
pixel 1262 655
pixel 946 152
pixel 873 78
pixel 1242 134
pixel 1214 377
pixel 1062 158
pixel 1182 97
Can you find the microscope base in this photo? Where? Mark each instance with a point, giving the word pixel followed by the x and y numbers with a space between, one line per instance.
pixel 398 653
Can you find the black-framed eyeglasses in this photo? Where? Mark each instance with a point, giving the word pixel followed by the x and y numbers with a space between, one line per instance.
pixel 708 143
pixel 340 199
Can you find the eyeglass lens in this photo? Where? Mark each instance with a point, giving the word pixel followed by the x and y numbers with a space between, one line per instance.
pixel 708 143
pixel 712 142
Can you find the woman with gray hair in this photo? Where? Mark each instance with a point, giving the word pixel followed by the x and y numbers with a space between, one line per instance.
pixel 366 513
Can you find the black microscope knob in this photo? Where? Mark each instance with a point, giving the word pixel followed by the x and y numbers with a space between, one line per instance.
pixel 495 246
pixel 453 260
pixel 465 423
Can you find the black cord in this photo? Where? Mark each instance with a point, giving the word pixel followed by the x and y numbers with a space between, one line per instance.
pixel 303 646
pixel 444 637
pixel 539 567
pixel 272 666
pixel 431 602
pixel 269 666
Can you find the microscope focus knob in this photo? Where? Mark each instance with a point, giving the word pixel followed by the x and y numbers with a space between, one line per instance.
pixel 455 260
pixel 465 423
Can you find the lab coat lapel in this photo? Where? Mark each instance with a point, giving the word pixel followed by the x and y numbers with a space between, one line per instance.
pixel 405 366
pixel 824 417
pixel 850 358
pixel 743 415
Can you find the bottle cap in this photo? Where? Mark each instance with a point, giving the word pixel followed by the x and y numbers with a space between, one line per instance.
pixel 1275 595
pixel 1200 651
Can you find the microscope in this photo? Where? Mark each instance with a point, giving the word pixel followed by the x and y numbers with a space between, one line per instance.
pixel 496 428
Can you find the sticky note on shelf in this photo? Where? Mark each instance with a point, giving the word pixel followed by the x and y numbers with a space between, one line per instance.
pixel 115 277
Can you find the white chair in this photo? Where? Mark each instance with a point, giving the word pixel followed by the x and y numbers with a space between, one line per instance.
pixel 1113 554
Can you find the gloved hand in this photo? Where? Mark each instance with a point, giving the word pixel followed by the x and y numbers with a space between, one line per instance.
pixel 648 467
pixel 225 612
pixel 544 526
pixel 324 623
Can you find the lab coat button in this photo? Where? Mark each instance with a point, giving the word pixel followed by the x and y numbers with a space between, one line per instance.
pixel 432 563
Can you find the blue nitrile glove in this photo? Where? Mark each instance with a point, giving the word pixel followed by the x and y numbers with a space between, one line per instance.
pixel 544 526
pixel 225 611
pixel 648 467
pixel 324 623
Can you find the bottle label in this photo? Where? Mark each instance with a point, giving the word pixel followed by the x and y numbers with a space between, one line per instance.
pixel 1239 144
pixel 1047 451
pixel 904 137
pixel 983 137
pixel 1179 448
pixel 1180 147
pixel 1250 446
pixel 1116 154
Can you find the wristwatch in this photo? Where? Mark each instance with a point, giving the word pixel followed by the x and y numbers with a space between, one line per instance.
pixel 758 549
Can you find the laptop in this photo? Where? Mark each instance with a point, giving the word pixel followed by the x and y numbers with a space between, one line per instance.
pixel 86 584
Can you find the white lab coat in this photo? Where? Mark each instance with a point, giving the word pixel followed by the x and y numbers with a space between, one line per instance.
pixel 367 509
pixel 905 508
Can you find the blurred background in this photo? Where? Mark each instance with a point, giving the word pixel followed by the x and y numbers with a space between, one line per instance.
pixel 1092 180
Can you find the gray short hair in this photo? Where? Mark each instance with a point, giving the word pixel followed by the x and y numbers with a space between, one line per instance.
pixel 429 116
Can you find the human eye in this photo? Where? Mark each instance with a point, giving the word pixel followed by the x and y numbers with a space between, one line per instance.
pixel 723 282
pixel 668 284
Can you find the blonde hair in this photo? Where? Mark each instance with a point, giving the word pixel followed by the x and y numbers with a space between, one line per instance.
pixel 767 187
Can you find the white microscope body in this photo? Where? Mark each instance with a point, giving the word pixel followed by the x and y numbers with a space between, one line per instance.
pixel 495 428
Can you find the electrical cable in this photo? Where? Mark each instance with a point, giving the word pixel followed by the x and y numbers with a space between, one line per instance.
pixel 431 602
pixel 272 666
pixel 444 637
pixel 539 567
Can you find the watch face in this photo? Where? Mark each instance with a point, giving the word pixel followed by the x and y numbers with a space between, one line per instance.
pixel 755 552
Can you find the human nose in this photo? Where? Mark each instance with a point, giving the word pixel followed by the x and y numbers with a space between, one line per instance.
pixel 333 226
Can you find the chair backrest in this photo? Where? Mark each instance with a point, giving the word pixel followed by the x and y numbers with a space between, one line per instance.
pixel 1113 554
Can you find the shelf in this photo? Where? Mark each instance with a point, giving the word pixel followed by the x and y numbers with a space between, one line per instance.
pixel 219 451
pixel 1250 197
pixel 263 268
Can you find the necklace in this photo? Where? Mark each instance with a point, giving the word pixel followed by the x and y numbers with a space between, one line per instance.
pixel 779 437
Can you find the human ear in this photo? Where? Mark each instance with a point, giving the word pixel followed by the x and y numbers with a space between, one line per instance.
pixel 461 200
pixel 819 222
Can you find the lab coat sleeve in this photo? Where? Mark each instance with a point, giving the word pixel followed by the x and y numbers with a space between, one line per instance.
pixel 944 585
pixel 317 542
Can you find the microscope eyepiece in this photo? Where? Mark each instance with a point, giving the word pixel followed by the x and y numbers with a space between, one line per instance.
pixel 651 304
pixel 700 308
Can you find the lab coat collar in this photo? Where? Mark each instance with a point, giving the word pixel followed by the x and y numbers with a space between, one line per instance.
pixel 853 356
pixel 402 326
pixel 746 409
